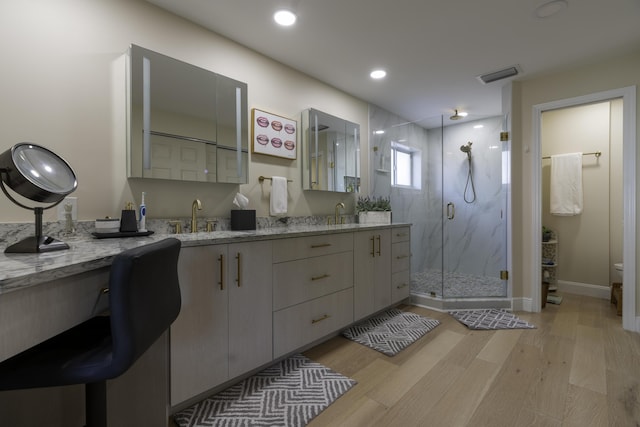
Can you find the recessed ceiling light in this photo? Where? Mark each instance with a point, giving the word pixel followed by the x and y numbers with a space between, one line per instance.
pixel 550 8
pixel 378 74
pixel 285 17
pixel 378 132
pixel 478 126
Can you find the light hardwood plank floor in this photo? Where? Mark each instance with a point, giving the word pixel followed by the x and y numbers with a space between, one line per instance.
pixel 577 368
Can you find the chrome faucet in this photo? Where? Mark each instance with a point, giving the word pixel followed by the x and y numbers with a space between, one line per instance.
pixel 337 218
pixel 194 219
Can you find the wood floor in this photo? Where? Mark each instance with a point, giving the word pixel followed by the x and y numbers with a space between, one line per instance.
pixel 578 368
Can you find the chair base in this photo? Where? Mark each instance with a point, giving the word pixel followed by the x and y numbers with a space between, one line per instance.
pixel 96 404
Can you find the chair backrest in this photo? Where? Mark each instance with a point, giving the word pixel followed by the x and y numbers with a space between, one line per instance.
pixel 144 299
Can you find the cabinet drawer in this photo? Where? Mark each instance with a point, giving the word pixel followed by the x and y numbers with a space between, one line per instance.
pixel 305 247
pixel 400 234
pixel 400 286
pixel 400 256
pixel 296 326
pixel 305 279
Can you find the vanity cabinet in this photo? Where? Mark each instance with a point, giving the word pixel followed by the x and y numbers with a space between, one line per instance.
pixel 400 264
pixel 224 326
pixel 372 271
pixel 312 289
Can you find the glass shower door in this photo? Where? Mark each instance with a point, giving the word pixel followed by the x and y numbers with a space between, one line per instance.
pixel 474 198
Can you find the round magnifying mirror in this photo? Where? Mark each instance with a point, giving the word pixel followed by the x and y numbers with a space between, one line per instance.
pixel 39 174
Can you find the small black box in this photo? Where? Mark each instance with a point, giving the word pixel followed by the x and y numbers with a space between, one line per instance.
pixel 243 219
pixel 128 222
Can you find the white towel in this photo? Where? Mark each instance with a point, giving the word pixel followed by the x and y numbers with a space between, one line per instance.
pixel 566 184
pixel 278 196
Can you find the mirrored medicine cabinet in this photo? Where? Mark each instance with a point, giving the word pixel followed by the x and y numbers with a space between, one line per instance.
pixel 185 123
pixel 330 153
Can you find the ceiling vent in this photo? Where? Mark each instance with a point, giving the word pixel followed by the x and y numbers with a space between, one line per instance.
pixel 499 75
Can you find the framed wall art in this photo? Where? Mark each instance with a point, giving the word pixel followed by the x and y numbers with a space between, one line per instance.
pixel 273 135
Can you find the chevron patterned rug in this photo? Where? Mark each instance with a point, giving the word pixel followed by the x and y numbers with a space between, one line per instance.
pixel 391 331
pixel 490 318
pixel 289 393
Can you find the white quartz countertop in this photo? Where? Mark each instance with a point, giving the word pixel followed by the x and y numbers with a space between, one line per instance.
pixel 23 270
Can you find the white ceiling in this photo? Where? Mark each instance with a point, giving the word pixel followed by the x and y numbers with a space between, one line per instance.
pixel 433 50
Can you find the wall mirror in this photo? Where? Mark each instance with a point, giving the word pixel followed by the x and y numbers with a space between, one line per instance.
pixel 185 123
pixel 330 153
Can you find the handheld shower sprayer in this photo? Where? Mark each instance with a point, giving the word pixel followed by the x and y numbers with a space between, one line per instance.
pixel 467 149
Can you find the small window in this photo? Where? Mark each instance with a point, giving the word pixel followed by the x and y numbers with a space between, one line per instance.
pixel 405 166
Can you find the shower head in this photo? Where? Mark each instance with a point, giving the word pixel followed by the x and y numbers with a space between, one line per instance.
pixel 458 116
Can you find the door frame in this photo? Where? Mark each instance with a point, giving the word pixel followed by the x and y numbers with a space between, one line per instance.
pixel 628 95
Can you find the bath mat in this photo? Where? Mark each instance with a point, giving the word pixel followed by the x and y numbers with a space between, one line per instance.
pixel 554 299
pixel 390 331
pixel 490 319
pixel 289 393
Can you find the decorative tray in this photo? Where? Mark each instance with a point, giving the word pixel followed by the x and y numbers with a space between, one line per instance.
pixel 122 234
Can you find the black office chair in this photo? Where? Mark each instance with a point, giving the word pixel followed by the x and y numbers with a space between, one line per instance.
pixel 144 299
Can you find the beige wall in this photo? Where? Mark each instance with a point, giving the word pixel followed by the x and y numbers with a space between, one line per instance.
pixel 587 240
pixel 612 73
pixel 62 86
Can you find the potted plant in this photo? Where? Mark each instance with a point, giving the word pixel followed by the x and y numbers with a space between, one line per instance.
pixel 373 210
pixel 546 234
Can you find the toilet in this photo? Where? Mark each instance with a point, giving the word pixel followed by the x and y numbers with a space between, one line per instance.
pixel 618 266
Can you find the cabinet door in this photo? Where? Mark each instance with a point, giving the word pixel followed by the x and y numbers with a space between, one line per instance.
pixel 364 253
pixel 250 308
pixel 372 271
pixel 199 336
pixel 382 269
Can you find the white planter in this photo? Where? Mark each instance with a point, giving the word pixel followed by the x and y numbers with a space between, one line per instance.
pixel 374 217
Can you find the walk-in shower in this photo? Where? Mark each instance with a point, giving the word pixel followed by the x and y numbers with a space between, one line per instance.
pixel 457 207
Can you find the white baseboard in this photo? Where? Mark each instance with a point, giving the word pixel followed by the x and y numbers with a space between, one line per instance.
pixel 522 304
pixel 596 291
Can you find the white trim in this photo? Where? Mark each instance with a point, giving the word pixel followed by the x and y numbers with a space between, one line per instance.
pixel 596 291
pixel 522 304
pixel 628 95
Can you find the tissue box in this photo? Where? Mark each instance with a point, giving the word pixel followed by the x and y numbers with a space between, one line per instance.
pixel 107 225
pixel 243 219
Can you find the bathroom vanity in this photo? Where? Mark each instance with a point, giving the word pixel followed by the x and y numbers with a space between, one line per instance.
pixel 248 299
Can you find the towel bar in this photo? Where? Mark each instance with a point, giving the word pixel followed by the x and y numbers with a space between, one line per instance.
pixel 262 178
pixel 595 153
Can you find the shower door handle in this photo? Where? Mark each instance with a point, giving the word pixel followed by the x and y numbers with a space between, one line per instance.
pixel 451 210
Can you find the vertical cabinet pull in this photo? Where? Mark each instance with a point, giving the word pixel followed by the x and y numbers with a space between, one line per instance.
pixel 221 282
pixel 379 245
pixel 238 261
pixel 373 247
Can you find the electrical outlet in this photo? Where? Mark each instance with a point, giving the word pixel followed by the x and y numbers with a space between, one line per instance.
pixel 73 201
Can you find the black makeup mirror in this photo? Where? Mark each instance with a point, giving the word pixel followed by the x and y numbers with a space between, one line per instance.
pixel 38 174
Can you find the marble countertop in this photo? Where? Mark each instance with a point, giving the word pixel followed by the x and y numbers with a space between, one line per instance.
pixel 19 271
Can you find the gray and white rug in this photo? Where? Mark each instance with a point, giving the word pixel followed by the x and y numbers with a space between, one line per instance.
pixel 390 331
pixel 289 393
pixel 490 318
